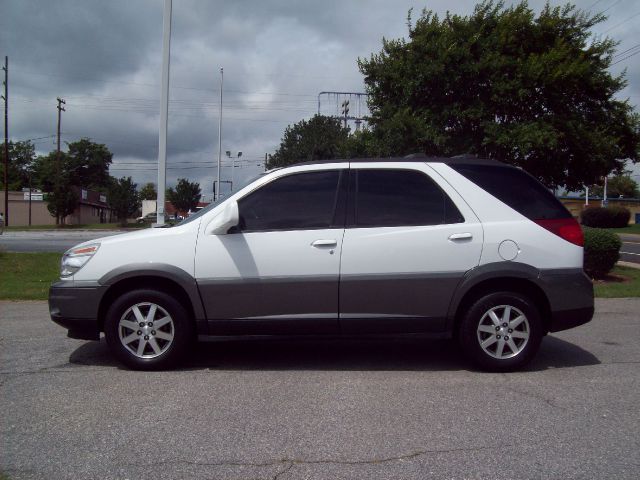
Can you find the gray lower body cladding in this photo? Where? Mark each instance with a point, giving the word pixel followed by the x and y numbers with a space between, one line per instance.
pixel 76 309
pixel 570 296
pixel 352 304
pixel 355 304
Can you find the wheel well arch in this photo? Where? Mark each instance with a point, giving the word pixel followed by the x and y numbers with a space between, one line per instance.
pixel 163 284
pixel 509 284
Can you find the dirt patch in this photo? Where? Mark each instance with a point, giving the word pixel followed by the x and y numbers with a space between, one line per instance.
pixel 611 278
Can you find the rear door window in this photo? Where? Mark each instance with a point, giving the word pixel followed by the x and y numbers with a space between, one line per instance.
pixel 388 198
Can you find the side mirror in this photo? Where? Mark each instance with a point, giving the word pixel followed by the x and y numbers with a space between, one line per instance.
pixel 229 217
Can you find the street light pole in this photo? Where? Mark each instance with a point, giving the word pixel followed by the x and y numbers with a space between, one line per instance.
pixel 164 112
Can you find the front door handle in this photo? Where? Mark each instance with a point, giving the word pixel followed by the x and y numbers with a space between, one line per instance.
pixel 460 236
pixel 324 243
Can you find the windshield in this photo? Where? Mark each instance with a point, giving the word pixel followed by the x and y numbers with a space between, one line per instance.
pixel 213 205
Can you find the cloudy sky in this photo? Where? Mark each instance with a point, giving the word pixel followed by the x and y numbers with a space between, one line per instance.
pixel 104 58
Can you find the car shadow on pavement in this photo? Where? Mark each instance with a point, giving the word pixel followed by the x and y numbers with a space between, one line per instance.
pixel 404 353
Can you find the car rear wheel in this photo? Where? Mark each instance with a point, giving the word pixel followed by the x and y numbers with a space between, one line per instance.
pixel 148 329
pixel 501 331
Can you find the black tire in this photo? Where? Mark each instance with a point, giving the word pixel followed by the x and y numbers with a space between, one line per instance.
pixel 162 346
pixel 474 331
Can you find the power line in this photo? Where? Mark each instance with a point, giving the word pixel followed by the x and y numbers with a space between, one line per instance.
pixel 625 51
pixel 621 23
pixel 610 7
pixel 625 58
pixel 36 138
pixel 99 80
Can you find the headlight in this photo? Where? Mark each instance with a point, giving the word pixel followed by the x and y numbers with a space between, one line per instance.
pixel 74 259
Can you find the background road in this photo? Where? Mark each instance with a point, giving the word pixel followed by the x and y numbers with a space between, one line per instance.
pixel 630 251
pixel 49 241
pixel 319 409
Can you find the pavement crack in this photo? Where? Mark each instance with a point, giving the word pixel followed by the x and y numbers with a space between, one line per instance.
pixel 282 472
pixel 291 462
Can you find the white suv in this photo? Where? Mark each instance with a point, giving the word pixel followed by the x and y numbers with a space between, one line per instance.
pixel 462 247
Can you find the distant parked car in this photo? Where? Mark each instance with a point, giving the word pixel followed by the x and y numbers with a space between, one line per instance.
pixel 148 218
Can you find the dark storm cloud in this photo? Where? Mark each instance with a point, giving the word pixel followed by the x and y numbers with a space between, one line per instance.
pixel 104 58
pixel 81 41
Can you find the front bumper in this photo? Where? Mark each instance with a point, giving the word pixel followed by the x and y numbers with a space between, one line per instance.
pixel 570 295
pixel 76 308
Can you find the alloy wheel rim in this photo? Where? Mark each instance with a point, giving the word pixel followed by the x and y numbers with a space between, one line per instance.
pixel 146 330
pixel 503 332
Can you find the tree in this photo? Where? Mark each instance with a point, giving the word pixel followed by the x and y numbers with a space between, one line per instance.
pixel 123 198
pixel 45 171
pixel 61 202
pixel 186 195
pixel 148 192
pixel 88 164
pixel 54 178
pixel 620 185
pixel 21 160
pixel 320 137
pixel 85 165
pixel 505 84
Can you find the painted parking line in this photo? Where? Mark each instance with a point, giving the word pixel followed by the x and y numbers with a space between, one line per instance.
pixel 631 253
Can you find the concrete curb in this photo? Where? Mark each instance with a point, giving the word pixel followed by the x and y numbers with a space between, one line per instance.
pixel 632 237
pixel 629 264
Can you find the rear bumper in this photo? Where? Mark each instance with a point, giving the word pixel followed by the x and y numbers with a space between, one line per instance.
pixel 76 309
pixel 570 318
pixel 570 295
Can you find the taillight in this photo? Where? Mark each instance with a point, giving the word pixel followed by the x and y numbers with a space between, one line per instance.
pixel 566 228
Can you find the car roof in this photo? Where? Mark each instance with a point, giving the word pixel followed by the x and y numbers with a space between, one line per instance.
pixel 416 157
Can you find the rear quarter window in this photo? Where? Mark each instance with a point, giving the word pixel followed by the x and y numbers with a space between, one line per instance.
pixel 516 188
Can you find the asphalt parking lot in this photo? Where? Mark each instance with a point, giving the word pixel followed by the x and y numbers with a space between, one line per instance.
pixel 320 409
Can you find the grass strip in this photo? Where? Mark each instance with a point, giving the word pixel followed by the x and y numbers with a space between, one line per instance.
pixel 632 229
pixel 27 276
pixel 621 282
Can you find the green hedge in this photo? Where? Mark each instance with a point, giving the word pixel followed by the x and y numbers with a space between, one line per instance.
pixel 601 251
pixel 610 217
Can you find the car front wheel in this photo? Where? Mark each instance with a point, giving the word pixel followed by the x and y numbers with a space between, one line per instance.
pixel 148 330
pixel 501 331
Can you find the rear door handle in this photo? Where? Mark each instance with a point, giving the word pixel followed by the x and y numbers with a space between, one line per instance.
pixel 324 243
pixel 460 236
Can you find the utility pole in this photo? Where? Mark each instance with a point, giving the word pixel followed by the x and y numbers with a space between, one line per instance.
pixel 220 132
pixel 233 165
pixel 5 97
pixel 60 110
pixel 58 186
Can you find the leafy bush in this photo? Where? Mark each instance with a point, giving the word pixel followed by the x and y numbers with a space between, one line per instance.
pixel 610 217
pixel 601 251
pixel 621 216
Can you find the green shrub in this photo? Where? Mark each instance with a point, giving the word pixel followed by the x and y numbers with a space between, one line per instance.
pixel 601 251
pixel 621 216
pixel 610 217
